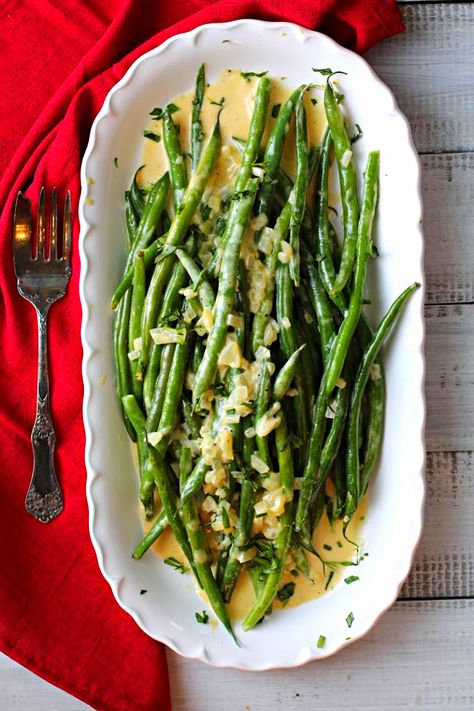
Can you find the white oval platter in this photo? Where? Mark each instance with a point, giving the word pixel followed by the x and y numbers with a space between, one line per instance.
pixel 394 519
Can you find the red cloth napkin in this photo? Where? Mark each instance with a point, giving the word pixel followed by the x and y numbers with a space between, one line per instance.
pixel 58 61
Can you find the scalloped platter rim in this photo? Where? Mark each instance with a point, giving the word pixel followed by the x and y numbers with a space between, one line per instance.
pixel 396 496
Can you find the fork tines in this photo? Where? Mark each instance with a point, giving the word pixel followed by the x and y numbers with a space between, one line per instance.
pixel 46 247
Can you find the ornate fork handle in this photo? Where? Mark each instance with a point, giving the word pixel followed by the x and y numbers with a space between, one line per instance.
pixel 44 499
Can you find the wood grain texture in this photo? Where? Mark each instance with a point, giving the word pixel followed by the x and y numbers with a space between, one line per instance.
pixel 23 691
pixel 418 655
pixel 448 225
pixel 449 377
pixel 444 563
pixel 429 69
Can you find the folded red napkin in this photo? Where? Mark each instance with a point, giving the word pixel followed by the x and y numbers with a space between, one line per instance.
pixel 58 61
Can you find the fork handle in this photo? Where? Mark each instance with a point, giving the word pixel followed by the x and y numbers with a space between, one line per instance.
pixel 44 500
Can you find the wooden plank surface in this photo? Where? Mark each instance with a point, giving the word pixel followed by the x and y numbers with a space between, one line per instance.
pixel 429 69
pixel 421 654
pixel 444 563
pixel 449 377
pixel 418 655
pixel 448 225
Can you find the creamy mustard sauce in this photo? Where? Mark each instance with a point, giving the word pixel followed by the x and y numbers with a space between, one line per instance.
pixel 239 97
pixel 306 588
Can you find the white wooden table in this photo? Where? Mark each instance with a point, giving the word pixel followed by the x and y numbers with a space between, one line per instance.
pixel 422 651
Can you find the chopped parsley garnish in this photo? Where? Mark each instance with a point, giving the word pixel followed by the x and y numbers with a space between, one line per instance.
pixel 276 110
pixel 157 113
pixel 347 638
pixel 152 136
pixel 219 227
pixel 217 103
pixel 325 71
pixel 328 581
pixel 240 195
pixel 286 592
pixel 225 518
pixel 176 565
pixel 202 619
pixel 351 579
pixel 314 101
pixel 358 134
pixel 339 544
pixel 204 211
pixel 321 641
pixel 142 592
pixel 350 619
pixel 248 75
pixel 225 41
pixel 116 162
pixel 327 548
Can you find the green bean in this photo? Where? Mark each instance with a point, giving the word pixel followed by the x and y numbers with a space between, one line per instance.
pixel 311 377
pixel 163 477
pixel 206 292
pixel 159 526
pixel 136 196
pixel 176 234
pixel 313 454
pixel 301 181
pixel 149 256
pixel 137 419
pixel 273 153
pixel 285 376
pixel 130 219
pixel 262 402
pixel 375 394
pixel 322 307
pixel 242 536
pixel 198 353
pixel 282 542
pixel 192 420
pixel 197 133
pixel 122 363
pixel 299 556
pixel 262 317
pixel 375 426
pixel 333 440
pixel 136 308
pixel 288 345
pixel 349 324
pixel 195 481
pixel 145 230
pixel 352 449
pixel 165 222
pixel 173 391
pixel 200 548
pixel 338 474
pixel 255 133
pixel 348 186
pixel 159 391
pixel 178 279
pixel 177 167
pixel 321 229
pixel 225 295
pixel 249 157
pixel 222 559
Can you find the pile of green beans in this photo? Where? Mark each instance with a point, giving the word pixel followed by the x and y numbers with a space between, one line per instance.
pixel 244 397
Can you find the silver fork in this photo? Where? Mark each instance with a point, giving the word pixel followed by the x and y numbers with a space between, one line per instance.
pixel 42 274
